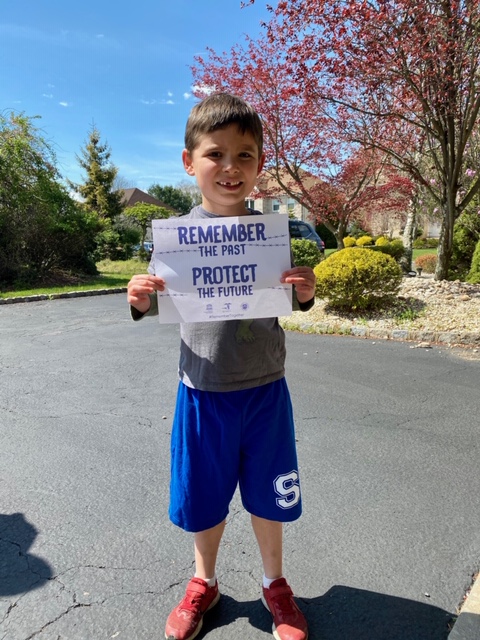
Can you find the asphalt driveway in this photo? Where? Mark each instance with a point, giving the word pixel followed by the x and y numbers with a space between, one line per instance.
pixel 388 441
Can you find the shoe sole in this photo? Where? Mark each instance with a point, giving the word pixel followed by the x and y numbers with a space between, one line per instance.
pixel 200 624
pixel 274 628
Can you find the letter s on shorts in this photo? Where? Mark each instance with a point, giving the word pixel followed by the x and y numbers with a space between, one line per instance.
pixel 288 488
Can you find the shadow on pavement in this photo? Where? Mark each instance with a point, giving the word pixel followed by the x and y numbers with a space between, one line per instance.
pixel 19 571
pixel 344 613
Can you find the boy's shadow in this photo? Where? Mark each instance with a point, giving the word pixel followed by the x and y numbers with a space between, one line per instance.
pixel 344 613
pixel 19 571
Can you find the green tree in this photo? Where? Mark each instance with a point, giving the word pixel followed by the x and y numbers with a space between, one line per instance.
pixel 192 190
pixel 98 192
pixel 175 197
pixel 41 227
pixel 142 214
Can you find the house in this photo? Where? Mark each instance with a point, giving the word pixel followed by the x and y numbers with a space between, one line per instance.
pixel 392 224
pixel 269 197
pixel 133 196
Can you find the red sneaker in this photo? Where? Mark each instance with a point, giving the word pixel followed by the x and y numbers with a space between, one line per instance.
pixel 185 621
pixel 288 621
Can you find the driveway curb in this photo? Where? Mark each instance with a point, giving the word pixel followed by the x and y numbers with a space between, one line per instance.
pixel 467 625
pixel 57 296
pixel 424 338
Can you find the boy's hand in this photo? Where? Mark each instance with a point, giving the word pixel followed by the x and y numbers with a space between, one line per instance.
pixel 139 288
pixel 303 279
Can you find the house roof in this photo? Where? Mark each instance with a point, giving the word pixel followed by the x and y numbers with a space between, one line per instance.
pixel 132 196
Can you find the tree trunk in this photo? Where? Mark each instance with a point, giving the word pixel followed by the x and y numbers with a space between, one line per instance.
pixel 409 236
pixel 340 233
pixel 445 245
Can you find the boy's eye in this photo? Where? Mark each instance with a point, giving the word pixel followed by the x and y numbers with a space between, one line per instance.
pixel 214 154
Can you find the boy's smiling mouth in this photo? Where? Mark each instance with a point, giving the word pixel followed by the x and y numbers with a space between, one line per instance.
pixel 230 185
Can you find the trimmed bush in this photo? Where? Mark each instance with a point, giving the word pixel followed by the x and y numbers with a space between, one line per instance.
pixel 348 241
pixel 425 243
pixel 427 262
pixel 466 233
pixel 394 248
pixel 382 241
pixel 474 273
pixel 305 253
pixel 364 241
pixel 354 279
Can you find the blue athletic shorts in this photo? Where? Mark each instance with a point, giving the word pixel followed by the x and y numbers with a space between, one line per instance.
pixel 221 439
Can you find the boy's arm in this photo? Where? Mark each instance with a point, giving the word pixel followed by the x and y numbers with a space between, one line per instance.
pixel 303 280
pixel 141 295
pixel 152 311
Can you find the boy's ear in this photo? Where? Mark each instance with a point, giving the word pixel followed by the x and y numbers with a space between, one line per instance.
pixel 261 162
pixel 187 162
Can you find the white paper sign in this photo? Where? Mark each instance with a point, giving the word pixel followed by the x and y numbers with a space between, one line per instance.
pixel 222 268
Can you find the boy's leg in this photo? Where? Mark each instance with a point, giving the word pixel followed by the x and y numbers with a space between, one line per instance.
pixel 288 621
pixel 269 538
pixel 201 594
pixel 207 544
pixel 270 487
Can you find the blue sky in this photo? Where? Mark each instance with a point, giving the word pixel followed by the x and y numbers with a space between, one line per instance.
pixel 123 66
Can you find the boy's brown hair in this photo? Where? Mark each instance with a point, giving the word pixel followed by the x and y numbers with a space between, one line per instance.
pixel 217 112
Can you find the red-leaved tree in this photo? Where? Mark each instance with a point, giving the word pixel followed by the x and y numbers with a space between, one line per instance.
pixel 308 154
pixel 403 76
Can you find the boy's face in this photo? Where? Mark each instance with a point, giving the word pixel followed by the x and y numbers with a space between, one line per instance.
pixel 226 164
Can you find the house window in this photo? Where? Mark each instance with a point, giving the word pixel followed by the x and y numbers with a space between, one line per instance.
pixel 250 203
pixel 276 206
pixel 291 205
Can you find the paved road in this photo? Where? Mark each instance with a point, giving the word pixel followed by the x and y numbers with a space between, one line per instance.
pixel 388 439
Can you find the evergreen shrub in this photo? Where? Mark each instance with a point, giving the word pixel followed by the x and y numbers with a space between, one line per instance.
pixel 427 262
pixel 382 241
pixel 305 253
pixel 354 279
pixel 474 273
pixel 348 241
pixel 392 248
pixel 466 234
pixel 425 243
pixel 364 241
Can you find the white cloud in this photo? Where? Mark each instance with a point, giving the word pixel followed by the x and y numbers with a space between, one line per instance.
pixel 203 89
pixel 47 95
pixel 65 104
pixel 187 95
pixel 169 94
pixel 155 101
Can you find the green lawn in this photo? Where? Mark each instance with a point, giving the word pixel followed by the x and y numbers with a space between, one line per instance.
pixel 422 252
pixel 112 275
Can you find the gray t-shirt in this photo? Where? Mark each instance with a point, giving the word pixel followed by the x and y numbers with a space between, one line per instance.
pixel 228 355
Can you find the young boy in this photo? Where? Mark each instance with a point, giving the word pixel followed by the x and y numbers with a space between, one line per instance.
pixel 233 421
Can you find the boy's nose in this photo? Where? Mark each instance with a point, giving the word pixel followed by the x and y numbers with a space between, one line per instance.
pixel 229 164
